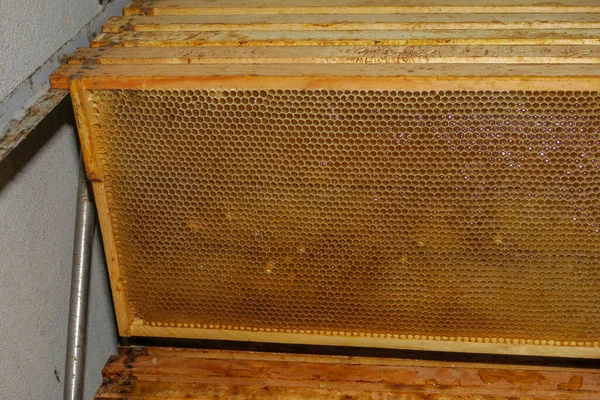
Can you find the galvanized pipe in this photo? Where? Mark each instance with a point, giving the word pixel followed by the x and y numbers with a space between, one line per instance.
pixel 80 277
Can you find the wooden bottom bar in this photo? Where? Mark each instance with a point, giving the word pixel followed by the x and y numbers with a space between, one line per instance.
pixel 172 373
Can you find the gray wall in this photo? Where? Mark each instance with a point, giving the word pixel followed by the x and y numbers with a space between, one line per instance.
pixel 38 184
pixel 32 30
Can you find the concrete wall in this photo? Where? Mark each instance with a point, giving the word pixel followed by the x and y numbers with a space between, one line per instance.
pixel 32 30
pixel 38 184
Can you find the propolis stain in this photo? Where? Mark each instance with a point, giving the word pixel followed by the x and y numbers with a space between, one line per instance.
pixel 574 383
pixel 517 378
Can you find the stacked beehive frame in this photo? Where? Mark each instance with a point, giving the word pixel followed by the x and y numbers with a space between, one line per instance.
pixel 420 174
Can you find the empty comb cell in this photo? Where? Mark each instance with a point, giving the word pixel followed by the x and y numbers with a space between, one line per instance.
pixel 368 183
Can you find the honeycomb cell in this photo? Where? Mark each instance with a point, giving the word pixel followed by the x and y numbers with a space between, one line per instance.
pixel 452 215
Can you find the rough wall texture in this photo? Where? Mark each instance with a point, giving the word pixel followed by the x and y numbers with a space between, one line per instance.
pixel 38 183
pixel 32 30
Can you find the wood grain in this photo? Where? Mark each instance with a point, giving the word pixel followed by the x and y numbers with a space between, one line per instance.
pixel 351 38
pixel 90 152
pixel 340 55
pixel 82 116
pixel 464 345
pixel 351 22
pixel 336 76
pixel 150 373
pixel 208 7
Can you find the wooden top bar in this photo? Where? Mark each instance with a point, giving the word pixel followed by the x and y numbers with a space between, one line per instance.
pixel 338 54
pixel 453 34
pixel 350 22
pixel 352 38
pixel 209 7
pixel 334 75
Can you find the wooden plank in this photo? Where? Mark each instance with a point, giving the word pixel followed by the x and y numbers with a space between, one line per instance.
pixel 340 54
pixel 335 70
pixel 362 356
pixel 82 116
pixel 123 311
pixel 18 129
pixel 350 38
pixel 296 76
pixel 148 373
pixel 515 346
pixel 208 7
pixel 90 153
pixel 60 78
pixel 350 22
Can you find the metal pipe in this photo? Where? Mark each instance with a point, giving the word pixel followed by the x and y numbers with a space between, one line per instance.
pixel 80 277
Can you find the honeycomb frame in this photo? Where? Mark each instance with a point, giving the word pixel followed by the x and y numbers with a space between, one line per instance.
pixel 131 322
